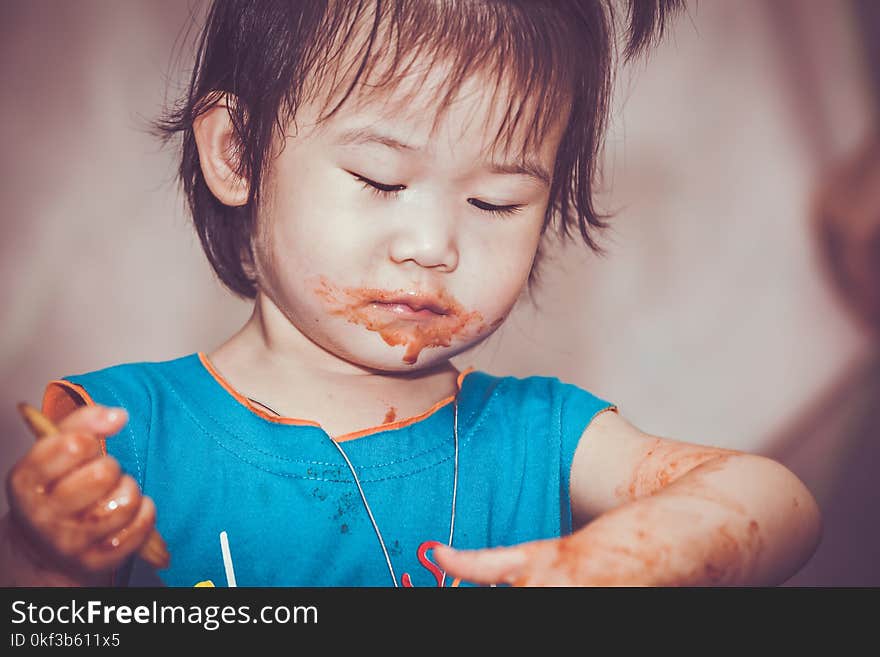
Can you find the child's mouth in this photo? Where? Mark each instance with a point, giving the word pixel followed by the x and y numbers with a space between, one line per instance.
pixel 414 305
pixel 412 319
pixel 407 311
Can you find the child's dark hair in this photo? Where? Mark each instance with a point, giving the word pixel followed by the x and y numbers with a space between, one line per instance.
pixel 262 52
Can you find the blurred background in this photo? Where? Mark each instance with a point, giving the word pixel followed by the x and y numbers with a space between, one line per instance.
pixel 738 305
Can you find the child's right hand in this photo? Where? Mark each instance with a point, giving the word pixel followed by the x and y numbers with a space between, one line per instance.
pixel 73 516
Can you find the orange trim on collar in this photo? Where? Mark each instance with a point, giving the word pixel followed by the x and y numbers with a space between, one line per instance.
pixel 244 401
pixel 241 399
pixel 410 420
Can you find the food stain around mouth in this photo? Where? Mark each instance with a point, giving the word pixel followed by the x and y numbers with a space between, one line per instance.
pixel 357 305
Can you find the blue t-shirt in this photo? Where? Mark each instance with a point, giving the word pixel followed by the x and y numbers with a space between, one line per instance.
pixel 285 498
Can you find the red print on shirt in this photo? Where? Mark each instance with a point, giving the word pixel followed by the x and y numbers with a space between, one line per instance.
pixel 433 568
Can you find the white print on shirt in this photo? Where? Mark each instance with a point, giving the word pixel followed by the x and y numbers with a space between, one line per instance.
pixel 227 564
pixel 227 559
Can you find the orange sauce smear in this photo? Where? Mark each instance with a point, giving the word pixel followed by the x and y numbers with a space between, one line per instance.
pixel 356 305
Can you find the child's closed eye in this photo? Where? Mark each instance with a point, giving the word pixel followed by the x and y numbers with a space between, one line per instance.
pixel 392 191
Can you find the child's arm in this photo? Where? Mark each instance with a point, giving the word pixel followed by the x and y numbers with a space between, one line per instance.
pixel 662 513
pixel 73 516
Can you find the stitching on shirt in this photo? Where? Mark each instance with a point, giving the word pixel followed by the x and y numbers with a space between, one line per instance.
pixel 277 457
pixel 288 475
pixel 566 516
pixel 130 432
pixel 468 434
pixel 231 435
pixel 492 397
pixel 286 459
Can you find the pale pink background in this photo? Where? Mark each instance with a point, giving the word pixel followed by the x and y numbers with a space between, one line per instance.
pixel 710 320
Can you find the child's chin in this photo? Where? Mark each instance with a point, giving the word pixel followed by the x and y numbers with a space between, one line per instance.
pixel 397 359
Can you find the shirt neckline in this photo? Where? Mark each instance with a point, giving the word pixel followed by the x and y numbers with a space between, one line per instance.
pixel 242 400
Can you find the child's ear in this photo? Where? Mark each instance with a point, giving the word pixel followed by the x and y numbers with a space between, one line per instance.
pixel 218 154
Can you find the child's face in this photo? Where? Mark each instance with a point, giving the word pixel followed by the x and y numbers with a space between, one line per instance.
pixel 404 280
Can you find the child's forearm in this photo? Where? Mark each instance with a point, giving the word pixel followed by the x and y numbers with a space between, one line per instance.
pixel 740 520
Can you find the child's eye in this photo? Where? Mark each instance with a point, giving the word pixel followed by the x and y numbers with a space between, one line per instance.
pixel 495 209
pixel 392 191
pixel 378 188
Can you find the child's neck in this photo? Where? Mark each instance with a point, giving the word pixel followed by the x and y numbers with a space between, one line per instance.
pixel 288 373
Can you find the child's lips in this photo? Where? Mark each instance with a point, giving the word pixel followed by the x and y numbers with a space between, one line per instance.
pixel 411 305
pixel 405 310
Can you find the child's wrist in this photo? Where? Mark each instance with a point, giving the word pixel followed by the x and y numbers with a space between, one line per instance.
pixel 26 564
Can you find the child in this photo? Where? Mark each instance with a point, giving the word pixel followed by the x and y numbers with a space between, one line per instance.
pixel 378 178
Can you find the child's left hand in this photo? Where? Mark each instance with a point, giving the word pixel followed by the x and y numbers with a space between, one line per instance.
pixel 705 529
pixel 568 561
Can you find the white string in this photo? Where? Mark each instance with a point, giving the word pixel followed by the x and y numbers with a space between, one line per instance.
pixel 454 483
pixel 369 512
pixel 357 482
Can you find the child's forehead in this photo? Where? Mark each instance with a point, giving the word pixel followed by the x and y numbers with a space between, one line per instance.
pixel 418 110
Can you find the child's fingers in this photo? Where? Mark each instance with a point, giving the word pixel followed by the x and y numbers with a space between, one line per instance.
pixel 75 443
pixel 70 536
pixel 50 459
pixel 489 566
pixel 111 551
pixel 114 512
pixel 101 420
pixel 85 485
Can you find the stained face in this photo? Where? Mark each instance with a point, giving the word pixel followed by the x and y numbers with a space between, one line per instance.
pixel 393 246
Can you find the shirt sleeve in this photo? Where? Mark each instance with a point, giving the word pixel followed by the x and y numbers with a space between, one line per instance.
pixel 61 398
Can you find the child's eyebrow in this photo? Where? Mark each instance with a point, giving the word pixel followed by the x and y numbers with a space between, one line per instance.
pixel 358 136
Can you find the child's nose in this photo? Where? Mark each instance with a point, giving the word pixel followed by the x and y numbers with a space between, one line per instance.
pixel 427 240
